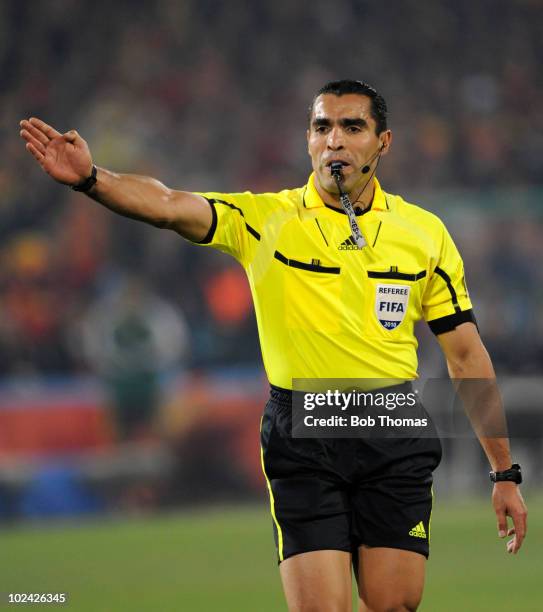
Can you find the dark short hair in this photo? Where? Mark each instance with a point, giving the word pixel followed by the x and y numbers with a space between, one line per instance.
pixel 346 86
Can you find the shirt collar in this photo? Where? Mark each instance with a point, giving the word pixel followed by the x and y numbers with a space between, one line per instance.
pixel 312 198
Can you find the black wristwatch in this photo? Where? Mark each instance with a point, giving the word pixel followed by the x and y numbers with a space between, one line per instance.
pixel 88 182
pixel 513 474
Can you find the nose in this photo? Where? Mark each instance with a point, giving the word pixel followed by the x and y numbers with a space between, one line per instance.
pixel 335 139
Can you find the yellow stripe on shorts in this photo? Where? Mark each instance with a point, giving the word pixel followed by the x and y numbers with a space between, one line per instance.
pixel 430 519
pixel 272 501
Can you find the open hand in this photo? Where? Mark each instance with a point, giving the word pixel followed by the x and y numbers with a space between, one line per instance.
pixel 65 157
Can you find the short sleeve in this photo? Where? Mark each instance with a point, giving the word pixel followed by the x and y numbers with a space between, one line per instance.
pixel 446 303
pixel 234 224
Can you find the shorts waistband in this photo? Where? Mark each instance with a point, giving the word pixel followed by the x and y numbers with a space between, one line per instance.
pixel 280 395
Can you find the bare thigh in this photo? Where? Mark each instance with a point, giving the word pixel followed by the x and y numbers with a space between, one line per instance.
pixel 390 579
pixel 318 581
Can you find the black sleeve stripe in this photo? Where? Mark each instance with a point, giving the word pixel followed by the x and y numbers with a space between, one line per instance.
pixel 250 229
pixel 447 279
pixel 209 236
pixel 450 322
pixel 231 206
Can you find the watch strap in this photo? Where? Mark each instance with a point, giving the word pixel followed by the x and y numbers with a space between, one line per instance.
pixel 513 474
pixel 88 182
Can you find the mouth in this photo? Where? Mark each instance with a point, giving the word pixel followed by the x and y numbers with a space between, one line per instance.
pixel 344 164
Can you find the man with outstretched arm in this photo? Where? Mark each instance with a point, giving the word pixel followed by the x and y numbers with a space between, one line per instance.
pixel 318 259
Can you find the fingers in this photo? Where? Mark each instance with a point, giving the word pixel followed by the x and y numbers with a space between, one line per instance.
pixel 49 131
pixel 37 134
pixel 502 523
pixel 511 544
pixel 519 531
pixel 520 520
pixel 70 136
pixel 30 139
pixel 509 502
pixel 37 154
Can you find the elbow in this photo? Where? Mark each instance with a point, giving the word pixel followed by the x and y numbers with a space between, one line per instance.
pixel 465 353
pixel 474 363
pixel 458 368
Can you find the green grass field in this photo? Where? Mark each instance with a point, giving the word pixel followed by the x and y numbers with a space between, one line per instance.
pixel 224 560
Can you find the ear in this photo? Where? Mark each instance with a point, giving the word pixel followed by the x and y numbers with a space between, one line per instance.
pixel 307 134
pixel 386 140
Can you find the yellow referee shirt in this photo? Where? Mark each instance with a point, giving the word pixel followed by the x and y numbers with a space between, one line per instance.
pixel 326 309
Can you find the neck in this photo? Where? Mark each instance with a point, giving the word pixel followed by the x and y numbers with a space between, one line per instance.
pixel 360 196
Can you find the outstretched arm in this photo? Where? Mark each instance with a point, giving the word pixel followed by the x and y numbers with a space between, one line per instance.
pixel 467 358
pixel 67 159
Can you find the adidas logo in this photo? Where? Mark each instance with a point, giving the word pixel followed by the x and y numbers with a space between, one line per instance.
pixel 348 245
pixel 418 531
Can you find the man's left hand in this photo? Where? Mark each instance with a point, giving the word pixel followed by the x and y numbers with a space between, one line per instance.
pixel 507 501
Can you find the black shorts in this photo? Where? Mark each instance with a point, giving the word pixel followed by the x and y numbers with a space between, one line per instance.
pixel 343 493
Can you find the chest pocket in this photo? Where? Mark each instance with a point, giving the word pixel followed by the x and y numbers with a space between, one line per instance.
pixel 312 295
pixel 393 301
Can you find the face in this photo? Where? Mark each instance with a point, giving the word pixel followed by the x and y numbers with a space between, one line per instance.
pixel 342 129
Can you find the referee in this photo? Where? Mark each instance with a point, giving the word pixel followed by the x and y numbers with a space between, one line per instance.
pixel 339 271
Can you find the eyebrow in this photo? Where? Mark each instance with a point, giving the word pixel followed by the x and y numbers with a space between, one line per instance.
pixel 345 122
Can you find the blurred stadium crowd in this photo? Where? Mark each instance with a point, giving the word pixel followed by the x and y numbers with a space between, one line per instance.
pixel 213 95
pixel 210 95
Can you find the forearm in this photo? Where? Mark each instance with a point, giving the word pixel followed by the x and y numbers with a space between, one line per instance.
pixel 478 390
pixel 498 452
pixel 146 199
pixel 138 197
